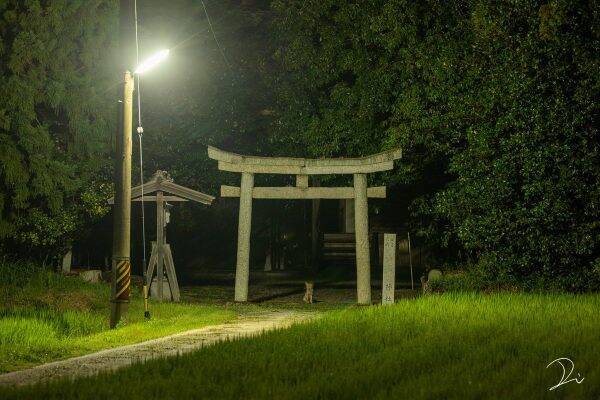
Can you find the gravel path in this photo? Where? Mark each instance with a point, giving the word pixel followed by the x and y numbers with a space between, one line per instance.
pixel 112 359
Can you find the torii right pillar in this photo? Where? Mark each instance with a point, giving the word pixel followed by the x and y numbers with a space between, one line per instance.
pixel 361 229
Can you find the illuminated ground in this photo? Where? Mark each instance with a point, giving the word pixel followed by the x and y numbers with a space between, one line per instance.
pixel 334 288
pixel 434 347
pixel 173 345
pixel 51 317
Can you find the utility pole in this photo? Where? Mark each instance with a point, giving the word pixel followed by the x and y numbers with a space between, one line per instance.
pixel 121 263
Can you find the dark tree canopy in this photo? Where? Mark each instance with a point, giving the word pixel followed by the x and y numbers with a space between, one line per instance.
pixel 495 105
pixel 56 118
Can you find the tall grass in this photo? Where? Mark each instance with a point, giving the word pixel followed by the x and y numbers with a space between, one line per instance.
pixel 457 346
pixel 46 316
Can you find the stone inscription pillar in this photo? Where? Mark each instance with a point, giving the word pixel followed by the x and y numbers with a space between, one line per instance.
pixel 389 268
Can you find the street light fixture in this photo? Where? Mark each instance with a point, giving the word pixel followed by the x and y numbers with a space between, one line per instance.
pixel 152 61
pixel 121 263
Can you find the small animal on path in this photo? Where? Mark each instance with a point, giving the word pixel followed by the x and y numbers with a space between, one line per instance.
pixel 308 295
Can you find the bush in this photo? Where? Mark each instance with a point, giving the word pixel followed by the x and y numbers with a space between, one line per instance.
pixel 491 278
pixel 495 105
pixel 471 280
pixel 20 273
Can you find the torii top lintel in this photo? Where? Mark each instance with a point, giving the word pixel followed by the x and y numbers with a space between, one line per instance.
pixel 304 166
pixel 162 182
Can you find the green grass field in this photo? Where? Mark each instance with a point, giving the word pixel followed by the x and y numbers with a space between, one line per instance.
pixel 45 317
pixel 441 346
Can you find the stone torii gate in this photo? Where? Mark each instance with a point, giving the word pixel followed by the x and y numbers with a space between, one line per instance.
pixel 302 168
pixel 164 190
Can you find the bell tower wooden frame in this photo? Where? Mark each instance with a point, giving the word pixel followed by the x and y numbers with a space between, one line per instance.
pixel 161 189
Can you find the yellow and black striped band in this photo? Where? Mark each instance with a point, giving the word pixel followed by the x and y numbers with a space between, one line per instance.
pixel 123 281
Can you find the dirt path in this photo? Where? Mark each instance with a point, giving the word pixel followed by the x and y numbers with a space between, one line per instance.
pixel 112 359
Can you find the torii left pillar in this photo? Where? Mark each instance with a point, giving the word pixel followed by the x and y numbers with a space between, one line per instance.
pixel 242 269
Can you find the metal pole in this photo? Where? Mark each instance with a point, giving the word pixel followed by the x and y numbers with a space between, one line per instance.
pixel 314 233
pixel 160 243
pixel 412 281
pixel 121 264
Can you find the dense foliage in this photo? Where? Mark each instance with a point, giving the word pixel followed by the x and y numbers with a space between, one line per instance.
pixel 55 119
pixel 495 105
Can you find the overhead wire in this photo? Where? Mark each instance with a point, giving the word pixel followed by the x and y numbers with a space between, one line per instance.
pixel 140 132
pixel 215 37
